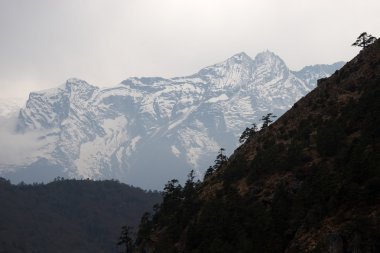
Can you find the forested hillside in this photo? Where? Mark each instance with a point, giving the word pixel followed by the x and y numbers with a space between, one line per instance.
pixel 310 182
pixel 69 215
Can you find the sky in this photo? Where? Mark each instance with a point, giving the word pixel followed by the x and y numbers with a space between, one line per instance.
pixel 45 42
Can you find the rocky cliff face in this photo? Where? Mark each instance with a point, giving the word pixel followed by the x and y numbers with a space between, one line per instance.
pixel 155 126
pixel 310 182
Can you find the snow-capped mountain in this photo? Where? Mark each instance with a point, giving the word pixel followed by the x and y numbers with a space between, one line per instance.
pixel 146 131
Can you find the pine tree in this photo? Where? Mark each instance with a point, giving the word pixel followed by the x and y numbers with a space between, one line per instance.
pixel 220 159
pixel 364 40
pixel 190 185
pixel 126 240
pixel 267 119
pixel 172 190
pixel 248 132
pixel 208 173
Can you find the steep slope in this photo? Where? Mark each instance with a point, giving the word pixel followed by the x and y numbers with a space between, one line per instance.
pixel 310 182
pixel 69 215
pixel 156 126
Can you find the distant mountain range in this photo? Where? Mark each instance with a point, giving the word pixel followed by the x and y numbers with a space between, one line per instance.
pixel 148 130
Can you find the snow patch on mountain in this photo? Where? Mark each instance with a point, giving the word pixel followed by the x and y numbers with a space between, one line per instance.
pixel 95 153
pixel 144 123
pixel 222 97
pixel 175 151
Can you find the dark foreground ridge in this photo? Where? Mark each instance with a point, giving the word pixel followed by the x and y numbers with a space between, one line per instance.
pixel 310 182
pixel 68 215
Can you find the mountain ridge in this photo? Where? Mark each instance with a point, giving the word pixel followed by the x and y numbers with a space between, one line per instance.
pixel 69 215
pixel 107 132
pixel 309 182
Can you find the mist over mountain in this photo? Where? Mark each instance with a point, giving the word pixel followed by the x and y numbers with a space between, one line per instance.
pixel 10 106
pixel 147 130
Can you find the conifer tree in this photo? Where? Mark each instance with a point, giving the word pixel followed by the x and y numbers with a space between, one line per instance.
pixel 125 240
pixel 248 132
pixel 267 119
pixel 208 173
pixel 364 40
pixel 190 185
pixel 220 159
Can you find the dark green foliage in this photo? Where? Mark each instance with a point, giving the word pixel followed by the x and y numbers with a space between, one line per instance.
pixel 69 215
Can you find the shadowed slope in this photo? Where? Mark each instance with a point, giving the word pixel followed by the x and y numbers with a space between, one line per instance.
pixel 308 183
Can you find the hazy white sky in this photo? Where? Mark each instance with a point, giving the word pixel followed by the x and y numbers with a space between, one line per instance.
pixel 45 42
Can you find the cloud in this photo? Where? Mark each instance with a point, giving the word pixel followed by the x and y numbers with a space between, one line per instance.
pixel 45 42
pixel 16 148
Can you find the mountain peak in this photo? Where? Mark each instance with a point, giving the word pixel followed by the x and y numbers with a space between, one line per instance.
pixel 240 57
pixel 267 56
pixel 268 66
pixel 307 183
pixel 75 82
pixel 80 87
pixel 101 133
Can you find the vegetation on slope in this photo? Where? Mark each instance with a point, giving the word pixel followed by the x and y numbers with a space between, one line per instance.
pixel 310 182
pixel 68 215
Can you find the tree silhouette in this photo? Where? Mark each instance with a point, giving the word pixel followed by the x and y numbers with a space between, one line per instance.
pixel 248 132
pixel 364 40
pixel 190 185
pixel 172 190
pixel 126 240
pixel 267 119
pixel 208 173
pixel 220 159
